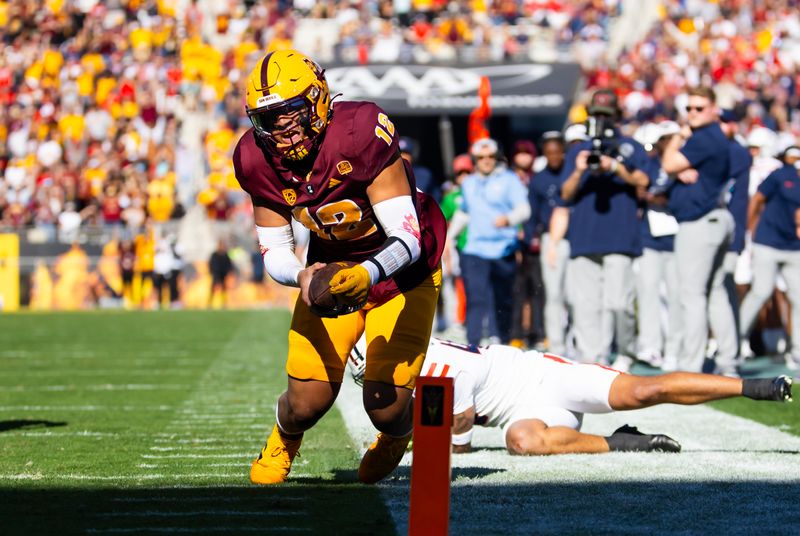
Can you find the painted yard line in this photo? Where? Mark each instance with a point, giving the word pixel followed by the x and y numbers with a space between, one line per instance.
pixel 206 512
pixel 214 498
pixel 101 387
pixel 198 456
pixel 170 465
pixel 213 530
pixel 48 433
pixel 196 447
pixel 185 428
pixel 213 420
pixel 220 440
pixel 88 408
pixel 146 476
pixel 107 372
pixel 194 433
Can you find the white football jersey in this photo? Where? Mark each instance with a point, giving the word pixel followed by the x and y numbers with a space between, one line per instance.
pixel 493 378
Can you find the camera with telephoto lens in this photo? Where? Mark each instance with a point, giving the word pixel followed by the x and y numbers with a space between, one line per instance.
pixel 600 130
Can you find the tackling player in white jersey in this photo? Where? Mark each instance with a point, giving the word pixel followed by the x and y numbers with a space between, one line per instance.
pixel 539 399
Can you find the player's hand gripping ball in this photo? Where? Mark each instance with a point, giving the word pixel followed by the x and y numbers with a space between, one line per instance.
pixel 323 301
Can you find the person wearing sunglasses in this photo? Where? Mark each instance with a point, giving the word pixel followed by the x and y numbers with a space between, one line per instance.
pixel 494 203
pixel 699 157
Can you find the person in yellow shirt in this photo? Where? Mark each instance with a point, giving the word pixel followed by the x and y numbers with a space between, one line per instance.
pixel 144 246
pixel 160 200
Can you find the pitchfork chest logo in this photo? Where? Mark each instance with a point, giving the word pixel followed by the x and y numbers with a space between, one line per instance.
pixel 290 196
pixel 344 167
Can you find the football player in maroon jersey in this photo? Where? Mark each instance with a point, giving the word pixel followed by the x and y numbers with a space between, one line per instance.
pixel 337 170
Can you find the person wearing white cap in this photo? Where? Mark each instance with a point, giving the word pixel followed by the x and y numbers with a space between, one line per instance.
pixel 657 346
pixel 494 203
pixel 574 133
pixel 700 158
pixel 771 218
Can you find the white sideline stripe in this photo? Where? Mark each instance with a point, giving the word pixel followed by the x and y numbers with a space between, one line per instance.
pixel 211 512
pixel 716 447
pixel 213 530
pixel 100 387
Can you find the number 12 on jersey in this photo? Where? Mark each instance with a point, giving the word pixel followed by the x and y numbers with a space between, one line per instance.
pixel 384 129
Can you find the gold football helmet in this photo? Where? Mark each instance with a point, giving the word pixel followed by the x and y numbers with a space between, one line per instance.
pixel 288 102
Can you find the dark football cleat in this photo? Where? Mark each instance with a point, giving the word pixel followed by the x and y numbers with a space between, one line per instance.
pixel 629 439
pixel 662 443
pixel 782 388
pixel 777 389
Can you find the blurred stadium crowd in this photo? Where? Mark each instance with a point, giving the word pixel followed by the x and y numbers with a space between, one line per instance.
pixel 118 118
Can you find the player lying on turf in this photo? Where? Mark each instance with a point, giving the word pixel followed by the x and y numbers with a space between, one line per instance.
pixel 539 399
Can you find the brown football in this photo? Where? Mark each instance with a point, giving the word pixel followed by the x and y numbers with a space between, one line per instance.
pixel 323 302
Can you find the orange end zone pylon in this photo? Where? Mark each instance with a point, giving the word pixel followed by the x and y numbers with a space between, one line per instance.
pixel 430 467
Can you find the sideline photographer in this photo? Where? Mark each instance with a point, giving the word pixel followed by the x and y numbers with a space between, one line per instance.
pixel 602 174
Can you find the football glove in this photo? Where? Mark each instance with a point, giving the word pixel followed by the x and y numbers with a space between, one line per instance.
pixel 351 285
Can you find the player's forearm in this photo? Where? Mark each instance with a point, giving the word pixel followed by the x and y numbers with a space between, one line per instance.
pixel 277 250
pixel 398 218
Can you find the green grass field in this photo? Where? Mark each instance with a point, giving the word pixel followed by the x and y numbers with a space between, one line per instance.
pixel 112 421
pixel 118 422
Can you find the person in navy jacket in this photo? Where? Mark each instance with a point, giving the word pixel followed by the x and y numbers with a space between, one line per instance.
pixel 604 237
pixel 700 158
pixel 773 215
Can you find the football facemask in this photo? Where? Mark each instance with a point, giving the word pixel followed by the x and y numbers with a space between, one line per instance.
pixel 287 128
pixel 357 364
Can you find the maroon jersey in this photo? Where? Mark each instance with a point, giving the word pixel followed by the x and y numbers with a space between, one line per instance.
pixel 331 199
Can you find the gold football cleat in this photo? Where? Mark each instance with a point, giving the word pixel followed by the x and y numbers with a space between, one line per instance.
pixel 382 457
pixel 275 460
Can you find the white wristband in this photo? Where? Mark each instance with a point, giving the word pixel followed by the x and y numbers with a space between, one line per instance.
pixel 614 166
pixel 464 438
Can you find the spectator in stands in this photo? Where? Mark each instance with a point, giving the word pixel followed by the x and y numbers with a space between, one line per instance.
pixel 773 221
pixel 700 158
pixel 494 203
pixel 527 323
pixel 127 262
pixel 604 235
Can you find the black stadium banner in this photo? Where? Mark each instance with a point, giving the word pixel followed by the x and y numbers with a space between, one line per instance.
pixel 517 88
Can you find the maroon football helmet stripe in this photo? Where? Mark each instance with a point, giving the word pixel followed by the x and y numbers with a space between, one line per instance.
pixel 264 65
